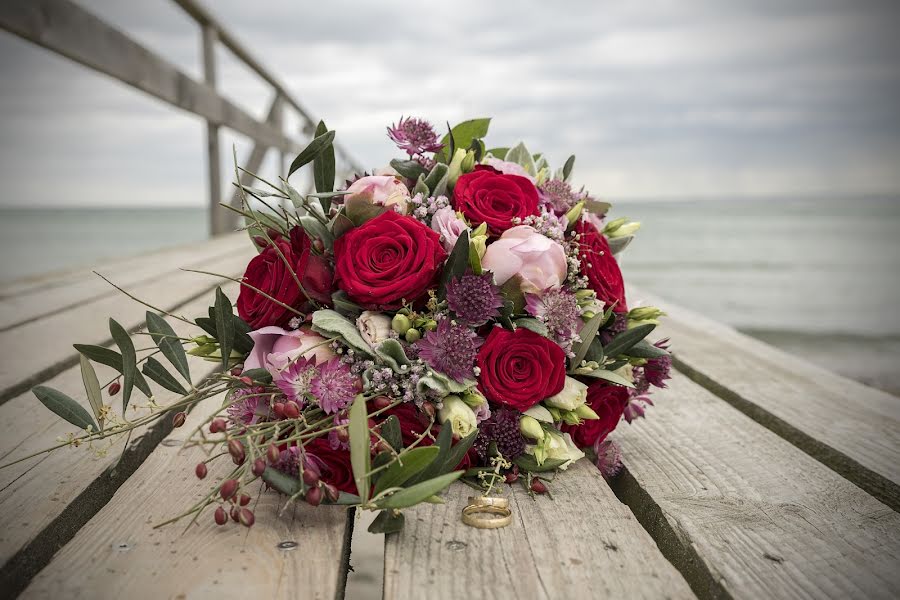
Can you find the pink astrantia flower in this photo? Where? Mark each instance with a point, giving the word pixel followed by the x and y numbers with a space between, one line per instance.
pixel 334 386
pixel 296 379
pixel 450 349
pixel 248 405
pixel 474 298
pixel 559 310
pixel 609 458
pixel 415 136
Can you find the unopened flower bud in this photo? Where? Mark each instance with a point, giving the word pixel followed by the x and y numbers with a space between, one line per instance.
pixel 259 467
pixel 247 518
pixel 310 474
pixel 114 388
pixel 626 229
pixel 235 514
pixel 221 516
pixel 586 412
pixel 236 450
pixel 574 213
pixel 178 419
pixel 218 426
pixel 412 336
pixel 273 454
pixel 244 500
pixel 200 471
pixel 430 325
pixel 614 225
pixel 538 486
pixel 530 428
pixel 236 371
pixel 455 169
pixel 381 402
pixel 278 409
pixel 468 163
pixel 291 409
pixel 228 488
pixel 314 496
pixel 343 435
pixel 246 381
pixel 331 492
pixel 400 323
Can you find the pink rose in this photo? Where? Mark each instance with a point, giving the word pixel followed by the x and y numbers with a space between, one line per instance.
pixel 448 225
pixel 536 259
pixel 274 348
pixel 380 190
pixel 508 168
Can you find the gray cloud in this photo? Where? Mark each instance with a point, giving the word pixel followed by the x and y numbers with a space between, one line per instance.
pixel 655 98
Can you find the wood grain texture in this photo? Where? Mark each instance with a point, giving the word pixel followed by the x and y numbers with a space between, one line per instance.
pixel 39 349
pixel 745 514
pixel 118 553
pixel 582 543
pixel 852 428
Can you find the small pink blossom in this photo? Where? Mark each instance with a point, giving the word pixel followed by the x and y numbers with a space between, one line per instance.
pixel 536 259
pixel 446 222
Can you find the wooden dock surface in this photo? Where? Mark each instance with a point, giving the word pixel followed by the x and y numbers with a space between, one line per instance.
pixel 756 475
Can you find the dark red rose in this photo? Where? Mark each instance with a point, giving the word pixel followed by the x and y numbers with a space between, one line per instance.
pixel 268 272
pixel 387 261
pixel 608 401
pixel 520 368
pixel 487 196
pixel 334 464
pixel 601 267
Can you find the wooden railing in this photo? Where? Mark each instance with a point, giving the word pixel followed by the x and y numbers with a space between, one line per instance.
pixel 71 31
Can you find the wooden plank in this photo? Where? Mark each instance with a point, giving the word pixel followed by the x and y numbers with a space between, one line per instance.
pixel 118 553
pixel 852 428
pixel 39 349
pixel 25 303
pixel 52 495
pixel 69 30
pixel 582 543
pixel 744 514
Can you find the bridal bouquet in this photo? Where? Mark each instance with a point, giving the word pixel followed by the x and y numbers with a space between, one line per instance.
pixel 459 314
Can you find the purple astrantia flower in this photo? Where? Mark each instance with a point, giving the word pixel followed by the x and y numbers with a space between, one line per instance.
pixel 246 407
pixel 289 461
pixel 475 299
pixel 450 349
pixel 559 196
pixel 503 429
pixel 559 310
pixel 294 381
pixel 334 386
pixel 636 407
pixel 415 136
pixel 656 371
pixel 609 458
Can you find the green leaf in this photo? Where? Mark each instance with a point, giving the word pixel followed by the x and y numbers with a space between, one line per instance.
pixel 129 360
pixel 618 244
pixel 438 173
pixel 345 499
pixel 623 342
pixel 587 334
pixel 283 483
pixel 534 325
pixel 456 264
pixel 419 492
pixel 644 349
pixel 443 443
pixel 224 325
pixel 316 230
pixel 567 168
pixel 477 148
pixel 208 325
pixel 157 372
pixel 64 407
pixel 258 375
pixel 527 462
pixel 458 452
pixel 344 305
pixel 387 521
pixel 390 431
pixel 359 446
pixel 520 155
pixel 499 153
pixel 315 147
pixel 112 359
pixel 330 323
pixel 323 164
pixel 391 352
pixel 411 169
pixel 463 134
pixel 168 343
pixel 411 463
pixel 243 343
pixel 92 388
pixel 421 187
pixel 610 376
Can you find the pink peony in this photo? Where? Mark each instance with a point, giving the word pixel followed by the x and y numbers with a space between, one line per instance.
pixel 536 259
pixel 274 348
pixel 380 190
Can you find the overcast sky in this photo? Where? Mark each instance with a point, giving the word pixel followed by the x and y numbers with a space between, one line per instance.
pixel 656 99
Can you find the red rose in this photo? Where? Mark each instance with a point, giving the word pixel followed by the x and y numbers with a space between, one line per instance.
pixel 334 464
pixel 601 267
pixel 389 260
pixel 269 272
pixel 608 401
pixel 487 196
pixel 520 368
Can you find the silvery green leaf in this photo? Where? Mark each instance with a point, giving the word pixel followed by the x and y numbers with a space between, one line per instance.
pixel 521 156
pixel 331 323
pixel 358 428
pixel 442 384
pixel 92 388
pixel 65 407
pixel 617 244
pixel 610 376
pixel 391 352
pixel 534 325
pixel 567 168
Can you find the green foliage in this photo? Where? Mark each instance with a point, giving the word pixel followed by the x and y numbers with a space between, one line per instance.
pixel 410 169
pixel 644 349
pixel 129 360
pixel 319 144
pixel 323 163
pixel 419 492
pixel 158 373
pixel 259 375
pixel 567 168
pixel 92 388
pixel 533 324
pixel 462 134
pixel 610 376
pixel 499 153
pixel 528 463
pixel 456 264
pixel 169 343
pixel 437 178
pixel 390 431
pixel 64 407
pixel 623 342
pixel 408 464
pixel 387 521
pixel 330 323
pixel 521 156
pixel 391 352
pixel 224 325
pixel 587 335
pixel 112 359
pixel 358 428
pixel 283 483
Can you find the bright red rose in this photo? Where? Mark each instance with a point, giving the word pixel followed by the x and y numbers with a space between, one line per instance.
pixel 334 464
pixel 601 267
pixel 387 261
pixel 269 272
pixel 487 196
pixel 608 401
pixel 520 368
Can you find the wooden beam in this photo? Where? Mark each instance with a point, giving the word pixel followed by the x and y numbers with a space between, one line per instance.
pixel 255 159
pixel 219 219
pixel 67 29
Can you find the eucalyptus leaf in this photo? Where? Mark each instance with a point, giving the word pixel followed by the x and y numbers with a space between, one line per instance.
pixel 129 360
pixel 387 521
pixel 92 388
pixel 419 492
pixel 331 323
pixel 224 325
pixel 358 428
pixel 456 264
pixel 323 164
pixel 112 359
pixel 623 342
pixel 169 343
pixel 610 376
pixel 64 407
pixel 587 334
pixel 409 464
pixel 567 168
pixel 317 146
pixel 158 373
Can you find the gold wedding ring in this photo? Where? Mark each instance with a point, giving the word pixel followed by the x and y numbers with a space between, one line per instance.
pixel 488 501
pixel 487 516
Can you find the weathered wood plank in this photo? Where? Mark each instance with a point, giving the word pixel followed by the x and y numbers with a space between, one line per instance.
pixel 852 428
pixel 39 349
pixel 20 303
pixel 581 543
pixel 52 495
pixel 118 553
pixel 744 514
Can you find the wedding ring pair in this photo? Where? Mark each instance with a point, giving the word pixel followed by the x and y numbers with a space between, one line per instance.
pixel 487 513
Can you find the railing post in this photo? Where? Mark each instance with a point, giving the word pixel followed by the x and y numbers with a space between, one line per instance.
pixel 219 219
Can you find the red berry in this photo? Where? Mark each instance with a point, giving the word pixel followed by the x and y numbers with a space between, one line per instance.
pixel 291 409
pixel 218 426
pixel 314 496
pixel 343 435
pixel 228 488
pixel 200 471
pixel 244 500
pixel 221 516
pixel 236 450
pixel 114 388
pixel 273 454
pixel 538 487
pixel 237 371
pixel 235 514
pixel 310 476
pixel 178 419
pixel 246 381
pixel 278 409
pixel 247 518
pixel 259 467
pixel 331 492
pixel 381 402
